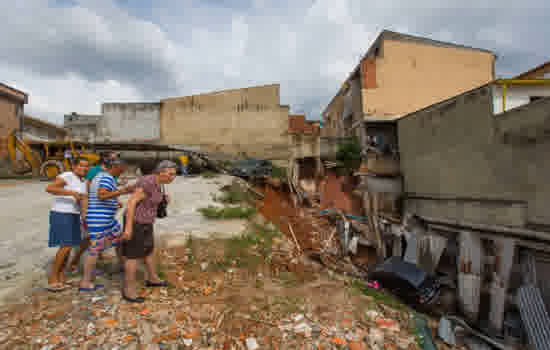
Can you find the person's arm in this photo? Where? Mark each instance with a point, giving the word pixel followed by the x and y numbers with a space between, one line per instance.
pixel 57 188
pixel 136 197
pixel 104 193
pixel 107 189
pixel 84 206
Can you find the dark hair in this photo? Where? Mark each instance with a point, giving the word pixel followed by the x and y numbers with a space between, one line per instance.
pixel 77 160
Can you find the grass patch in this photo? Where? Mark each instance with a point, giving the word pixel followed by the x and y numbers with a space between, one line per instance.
pixel 216 213
pixel 209 174
pixel 191 247
pixel 380 297
pixel 278 172
pixel 233 195
pixel 250 249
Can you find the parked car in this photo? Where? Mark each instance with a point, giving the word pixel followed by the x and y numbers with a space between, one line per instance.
pixel 251 168
pixel 407 281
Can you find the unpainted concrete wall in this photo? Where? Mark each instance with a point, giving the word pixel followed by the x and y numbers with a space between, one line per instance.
pixel 130 122
pixel 8 122
pixel 411 75
pixel 249 121
pixel 459 153
pixel 305 146
pixel 82 127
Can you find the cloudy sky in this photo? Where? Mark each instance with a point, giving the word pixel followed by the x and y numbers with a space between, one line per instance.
pixel 72 55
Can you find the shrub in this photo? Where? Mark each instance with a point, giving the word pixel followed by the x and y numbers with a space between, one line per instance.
pixel 349 153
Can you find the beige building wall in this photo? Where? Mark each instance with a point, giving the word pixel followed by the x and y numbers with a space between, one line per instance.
pixel 232 122
pixel 412 75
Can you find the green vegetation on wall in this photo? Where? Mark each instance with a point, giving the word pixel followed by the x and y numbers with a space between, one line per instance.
pixel 349 153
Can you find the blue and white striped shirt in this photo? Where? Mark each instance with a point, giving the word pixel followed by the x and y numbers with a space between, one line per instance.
pixel 101 213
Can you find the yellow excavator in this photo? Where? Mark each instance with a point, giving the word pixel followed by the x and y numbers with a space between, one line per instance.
pixel 45 158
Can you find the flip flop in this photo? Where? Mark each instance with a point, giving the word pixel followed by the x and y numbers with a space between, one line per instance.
pixel 133 300
pixel 96 287
pixel 158 284
pixel 57 288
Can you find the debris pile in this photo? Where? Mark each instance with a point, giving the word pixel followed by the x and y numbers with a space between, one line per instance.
pixel 217 300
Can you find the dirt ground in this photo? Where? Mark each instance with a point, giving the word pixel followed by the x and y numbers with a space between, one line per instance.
pixel 235 293
pixel 254 290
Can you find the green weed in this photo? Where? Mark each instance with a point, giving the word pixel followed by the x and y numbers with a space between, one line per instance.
pixel 215 213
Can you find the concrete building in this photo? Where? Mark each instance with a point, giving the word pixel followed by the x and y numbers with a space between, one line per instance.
pixel 399 74
pixel 39 130
pixel 249 121
pixel 476 174
pixel 82 127
pixel 305 152
pixel 129 122
pixel 12 102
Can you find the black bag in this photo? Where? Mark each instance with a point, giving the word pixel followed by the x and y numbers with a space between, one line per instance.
pixel 161 210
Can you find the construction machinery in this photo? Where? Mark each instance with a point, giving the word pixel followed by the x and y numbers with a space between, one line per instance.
pixel 45 158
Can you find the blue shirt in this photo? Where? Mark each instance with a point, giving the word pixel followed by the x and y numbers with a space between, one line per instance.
pixel 101 213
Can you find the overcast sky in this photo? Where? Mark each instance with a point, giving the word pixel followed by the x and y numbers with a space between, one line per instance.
pixel 72 55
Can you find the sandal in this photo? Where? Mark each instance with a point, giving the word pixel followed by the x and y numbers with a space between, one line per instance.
pixel 133 300
pixel 157 284
pixel 96 287
pixel 57 288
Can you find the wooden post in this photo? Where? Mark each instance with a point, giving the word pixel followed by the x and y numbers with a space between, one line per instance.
pixel 505 251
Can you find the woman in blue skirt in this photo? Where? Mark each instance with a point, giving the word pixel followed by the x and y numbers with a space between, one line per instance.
pixel 65 215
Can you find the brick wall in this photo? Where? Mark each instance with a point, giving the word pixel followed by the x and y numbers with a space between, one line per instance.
pixel 336 193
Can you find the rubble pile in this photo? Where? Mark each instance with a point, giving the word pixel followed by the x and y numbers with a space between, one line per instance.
pixel 213 303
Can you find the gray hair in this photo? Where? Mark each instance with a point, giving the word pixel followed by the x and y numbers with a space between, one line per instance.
pixel 165 164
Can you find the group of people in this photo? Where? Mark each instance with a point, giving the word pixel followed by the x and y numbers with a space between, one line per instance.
pixel 84 215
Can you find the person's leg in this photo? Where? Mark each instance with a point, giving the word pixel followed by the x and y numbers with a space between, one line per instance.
pixel 85 244
pixel 132 250
pixel 96 246
pixel 121 258
pixel 59 260
pixel 149 252
pixel 152 275
pixel 130 285
pixel 61 272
